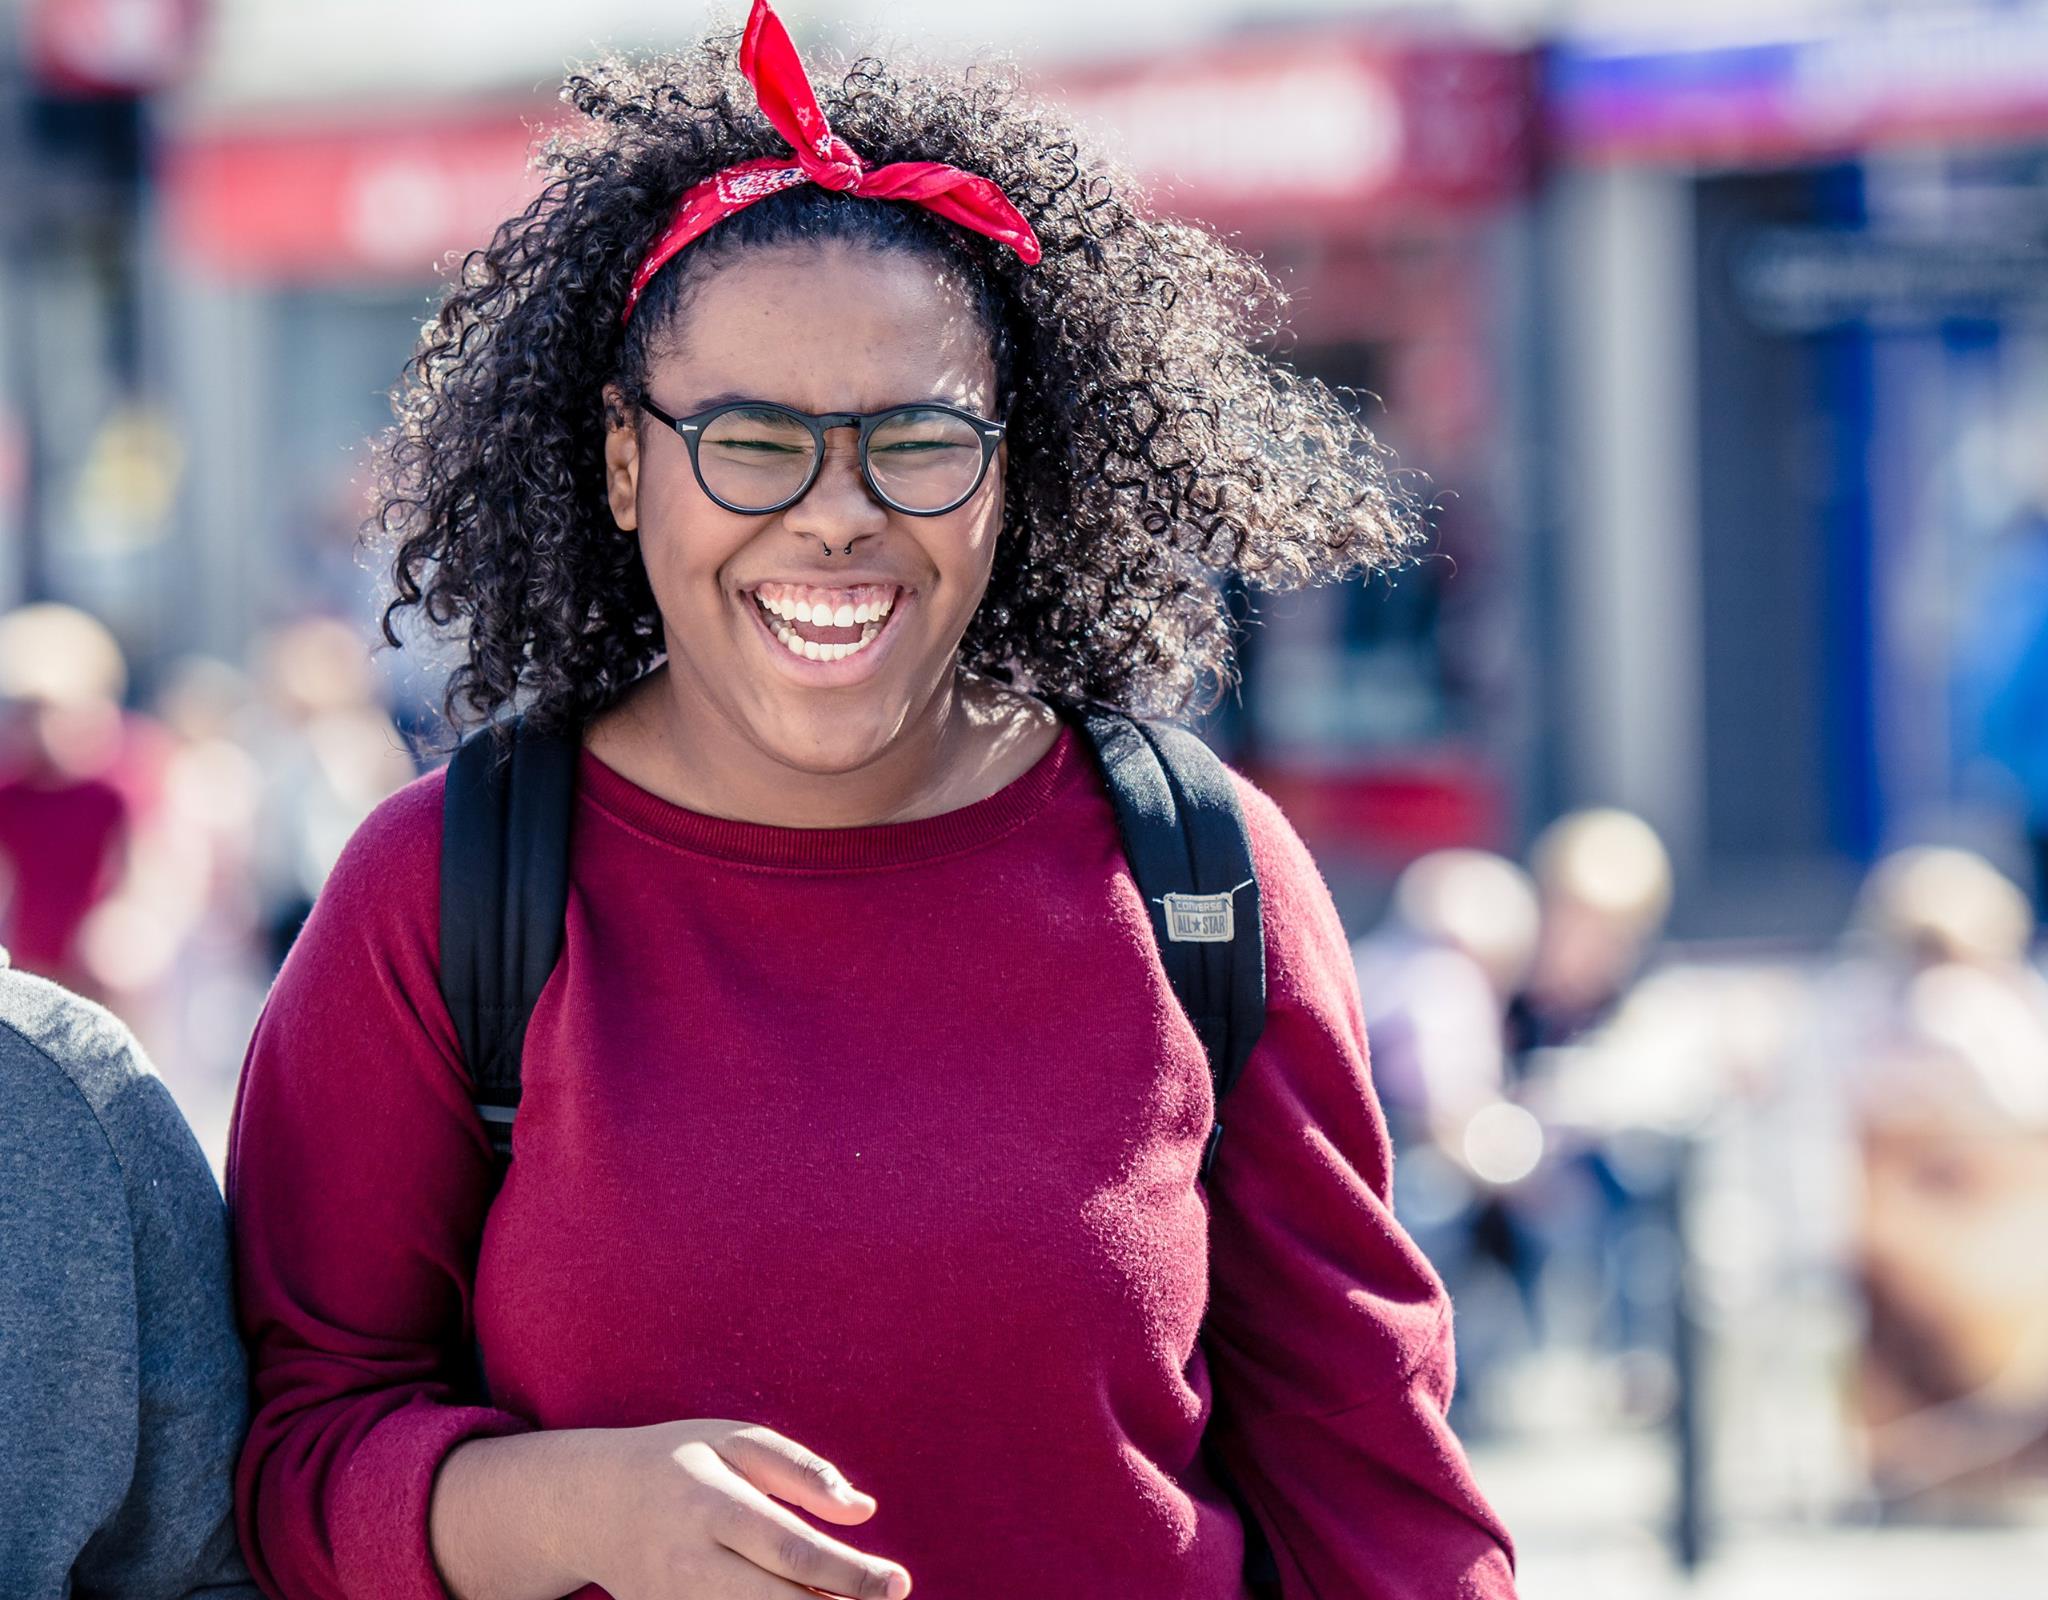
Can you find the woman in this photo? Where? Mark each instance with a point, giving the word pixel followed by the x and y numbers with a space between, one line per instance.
pixel 861 1134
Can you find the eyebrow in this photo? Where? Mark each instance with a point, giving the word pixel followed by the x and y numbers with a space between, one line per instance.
pixel 733 397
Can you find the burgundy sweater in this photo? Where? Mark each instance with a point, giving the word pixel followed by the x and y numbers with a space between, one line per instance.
pixel 886 1138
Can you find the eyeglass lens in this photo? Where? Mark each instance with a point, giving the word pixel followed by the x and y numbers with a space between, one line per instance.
pixel 755 457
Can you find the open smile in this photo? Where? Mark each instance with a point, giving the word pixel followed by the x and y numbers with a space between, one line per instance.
pixel 823 632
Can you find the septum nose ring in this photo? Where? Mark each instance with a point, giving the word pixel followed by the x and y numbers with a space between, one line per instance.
pixel 846 552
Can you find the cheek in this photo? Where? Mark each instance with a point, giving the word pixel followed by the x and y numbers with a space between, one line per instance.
pixel 970 534
pixel 685 540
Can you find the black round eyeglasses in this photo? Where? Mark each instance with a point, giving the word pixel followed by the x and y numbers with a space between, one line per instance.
pixel 754 456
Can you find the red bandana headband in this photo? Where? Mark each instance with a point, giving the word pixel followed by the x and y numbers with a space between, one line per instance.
pixel 769 62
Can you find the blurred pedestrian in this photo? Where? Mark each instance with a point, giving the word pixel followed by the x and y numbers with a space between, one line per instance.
pixel 122 1388
pixel 1949 1049
pixel 1435 980
pixel 65 817
pixel 195 932
pixel 1603 883
pixel 860 1128
pixel 328 753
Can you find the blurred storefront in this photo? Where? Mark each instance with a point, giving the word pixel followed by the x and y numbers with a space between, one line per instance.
pixel 304 250
pixel 1385 176
pixel 1801 361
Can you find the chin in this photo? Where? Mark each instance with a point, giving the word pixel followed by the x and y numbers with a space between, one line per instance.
pixel 826 739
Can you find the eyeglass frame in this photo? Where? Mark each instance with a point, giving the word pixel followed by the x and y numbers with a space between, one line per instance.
pixel 690 429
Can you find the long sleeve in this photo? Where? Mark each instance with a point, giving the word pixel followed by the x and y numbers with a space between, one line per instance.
pixel 122 1398
pixel 358 1179
pixel 1329 1336
pixel 173 1534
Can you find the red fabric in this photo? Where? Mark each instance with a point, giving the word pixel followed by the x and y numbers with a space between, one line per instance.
pixel 60 849
pixel 769 61
pixel 885 1137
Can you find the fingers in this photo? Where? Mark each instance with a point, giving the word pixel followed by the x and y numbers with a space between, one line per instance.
pixel 734 1577
pixel 780 1466
pixel 780 1543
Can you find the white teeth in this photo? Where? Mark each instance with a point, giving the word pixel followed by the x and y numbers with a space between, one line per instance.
pixel 868 616
pixel 823 612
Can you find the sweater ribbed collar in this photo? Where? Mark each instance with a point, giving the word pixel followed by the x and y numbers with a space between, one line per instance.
pixel 887 844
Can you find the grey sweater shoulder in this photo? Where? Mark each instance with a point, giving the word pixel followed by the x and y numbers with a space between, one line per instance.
pixel 123 1391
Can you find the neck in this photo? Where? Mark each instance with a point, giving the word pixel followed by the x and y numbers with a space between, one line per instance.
pixel 676 740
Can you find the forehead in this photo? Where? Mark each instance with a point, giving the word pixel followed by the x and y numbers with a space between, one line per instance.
pixel 826 328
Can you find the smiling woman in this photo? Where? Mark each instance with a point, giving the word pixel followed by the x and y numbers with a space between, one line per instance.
pixel 799 473
pixel 896 509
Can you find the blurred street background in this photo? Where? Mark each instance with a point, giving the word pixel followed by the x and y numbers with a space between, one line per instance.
pixel 1688 803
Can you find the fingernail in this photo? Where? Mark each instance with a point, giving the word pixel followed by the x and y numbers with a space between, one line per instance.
pixel 899 1585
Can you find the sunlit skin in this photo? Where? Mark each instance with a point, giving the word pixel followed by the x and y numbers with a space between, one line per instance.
pixel 734 725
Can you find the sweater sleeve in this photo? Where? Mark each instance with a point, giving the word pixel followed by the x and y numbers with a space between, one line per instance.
pixel 1329 1336
pixel 172 1534
pixel 358 1180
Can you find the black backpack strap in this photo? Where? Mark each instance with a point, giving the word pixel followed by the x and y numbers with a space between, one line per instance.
pixel 504 891
pixel 1184 834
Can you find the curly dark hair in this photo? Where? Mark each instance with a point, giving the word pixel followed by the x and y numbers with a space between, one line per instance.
pixel 1155 448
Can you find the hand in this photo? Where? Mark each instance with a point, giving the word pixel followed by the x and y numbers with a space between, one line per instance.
pixel 685 1514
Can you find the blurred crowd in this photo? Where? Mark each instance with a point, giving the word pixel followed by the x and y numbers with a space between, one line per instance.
pixel 1788 1196
pixel 158 852
pixel 1784 1204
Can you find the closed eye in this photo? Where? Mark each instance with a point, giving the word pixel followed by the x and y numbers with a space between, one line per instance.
pixel 760 446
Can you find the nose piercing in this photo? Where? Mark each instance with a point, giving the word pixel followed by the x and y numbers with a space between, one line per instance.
pixel 846 552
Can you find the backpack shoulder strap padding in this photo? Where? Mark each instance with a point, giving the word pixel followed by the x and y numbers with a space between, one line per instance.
pixel 505 820
pixel 1184 834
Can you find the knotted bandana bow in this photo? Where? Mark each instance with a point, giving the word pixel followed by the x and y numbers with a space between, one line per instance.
pixel 769 61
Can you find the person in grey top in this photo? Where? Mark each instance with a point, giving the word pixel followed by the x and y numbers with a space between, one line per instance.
pixel 123 1390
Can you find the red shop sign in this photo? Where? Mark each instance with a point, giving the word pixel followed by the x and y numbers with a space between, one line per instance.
pixel 389 200
pixel 1322 129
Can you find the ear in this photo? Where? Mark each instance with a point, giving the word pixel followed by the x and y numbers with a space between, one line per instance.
pixel 622 458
